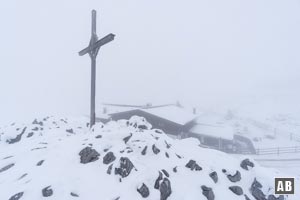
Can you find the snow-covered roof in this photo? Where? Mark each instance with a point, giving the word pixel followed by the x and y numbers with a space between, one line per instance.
pixel 225 132
pixel 172 113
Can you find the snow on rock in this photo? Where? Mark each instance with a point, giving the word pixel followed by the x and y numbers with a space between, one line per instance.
pixel 124 160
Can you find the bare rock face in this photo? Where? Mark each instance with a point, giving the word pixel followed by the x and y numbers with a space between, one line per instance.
pixel 214 176
pixel 47 191
pixel 88 155
pixel 165 189
pixel 193 165
pixel 144 191
pixel 155 149
pixel 125 167
pixel 109 157
pixel 208 192
pixel 236 190
pixel 17 196
pixel 256 190
pixel 245 164
pixel 235 178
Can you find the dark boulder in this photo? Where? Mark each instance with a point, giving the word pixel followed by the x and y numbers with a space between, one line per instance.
pixel 175 169
pixel 208 192
pixel 88 155
pixel 165 189
pixel 98 136
pixel 109 157
pixel 234 178
pixel 144 191
pixel 193 165
pixel 155 149
pixel 214 176
pixel 47 191
pixel 30 134
pixel 246 163
pixel 167 155
pixel 17 196
pixel 125 167
pixel 236 190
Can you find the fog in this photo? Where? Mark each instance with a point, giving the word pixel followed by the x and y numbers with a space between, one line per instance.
pixel 213 54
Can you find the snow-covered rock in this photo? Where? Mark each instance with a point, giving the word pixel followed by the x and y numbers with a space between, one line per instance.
pixel 124 160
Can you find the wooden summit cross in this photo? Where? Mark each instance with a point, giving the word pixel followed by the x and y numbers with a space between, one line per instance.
pixel 92 50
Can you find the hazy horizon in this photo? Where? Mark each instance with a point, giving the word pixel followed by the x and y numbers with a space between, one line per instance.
pixel 211 54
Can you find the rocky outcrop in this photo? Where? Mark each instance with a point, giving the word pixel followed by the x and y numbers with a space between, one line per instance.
pixel 245 164
pixel 236 190
pixel 47 191
pixel 234 178
pixel 155 149
pixel 214 176
pixel 165 189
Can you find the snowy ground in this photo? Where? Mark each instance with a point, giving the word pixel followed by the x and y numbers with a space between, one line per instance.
pixel 42 159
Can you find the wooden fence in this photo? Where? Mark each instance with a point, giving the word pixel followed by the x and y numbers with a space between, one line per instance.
pixel 277 150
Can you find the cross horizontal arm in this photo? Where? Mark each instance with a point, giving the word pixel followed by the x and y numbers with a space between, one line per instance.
pixel 110 37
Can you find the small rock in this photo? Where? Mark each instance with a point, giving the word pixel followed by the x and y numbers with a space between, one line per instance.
pixel 167 145
pixel 256 190
pixel 35 129
pixel 98 136
pixel 235 178
pixel 22 176
pixel 109 169
pixel 144 191
pixel 246 163
pixel 74 194
pixel 125 167
pixel 236 190
pixel 193 165
pixel 144 151
pixel 214 176
pixel 88 155
pixel 155 149
pixel 175 169
pixel 167 155
pixel 6 167
pixel 126 139
pixel 47 191
pixel 178 156
pixel 40 163
pixel 17 196
pixel 70 130
pixel 165 189
pixel 142 127
pixel 246 197
pixel 109 157
pixel 30 134
pixel 208 192
pixel 224 170
pixel 165 173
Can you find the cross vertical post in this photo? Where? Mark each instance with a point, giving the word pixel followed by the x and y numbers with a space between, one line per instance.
pixel 92 50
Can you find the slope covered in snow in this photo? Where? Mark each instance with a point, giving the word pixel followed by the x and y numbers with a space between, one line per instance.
pixel 63 159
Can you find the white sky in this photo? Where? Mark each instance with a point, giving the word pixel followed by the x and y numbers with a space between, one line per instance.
pixel 210 53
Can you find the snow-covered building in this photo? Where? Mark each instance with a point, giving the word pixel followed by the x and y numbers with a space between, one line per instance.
pixel 181 123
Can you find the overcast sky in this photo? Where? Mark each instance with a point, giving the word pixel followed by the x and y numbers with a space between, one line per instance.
pixel 197 51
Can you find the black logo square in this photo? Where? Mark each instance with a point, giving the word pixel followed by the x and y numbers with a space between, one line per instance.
pixel 284 185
